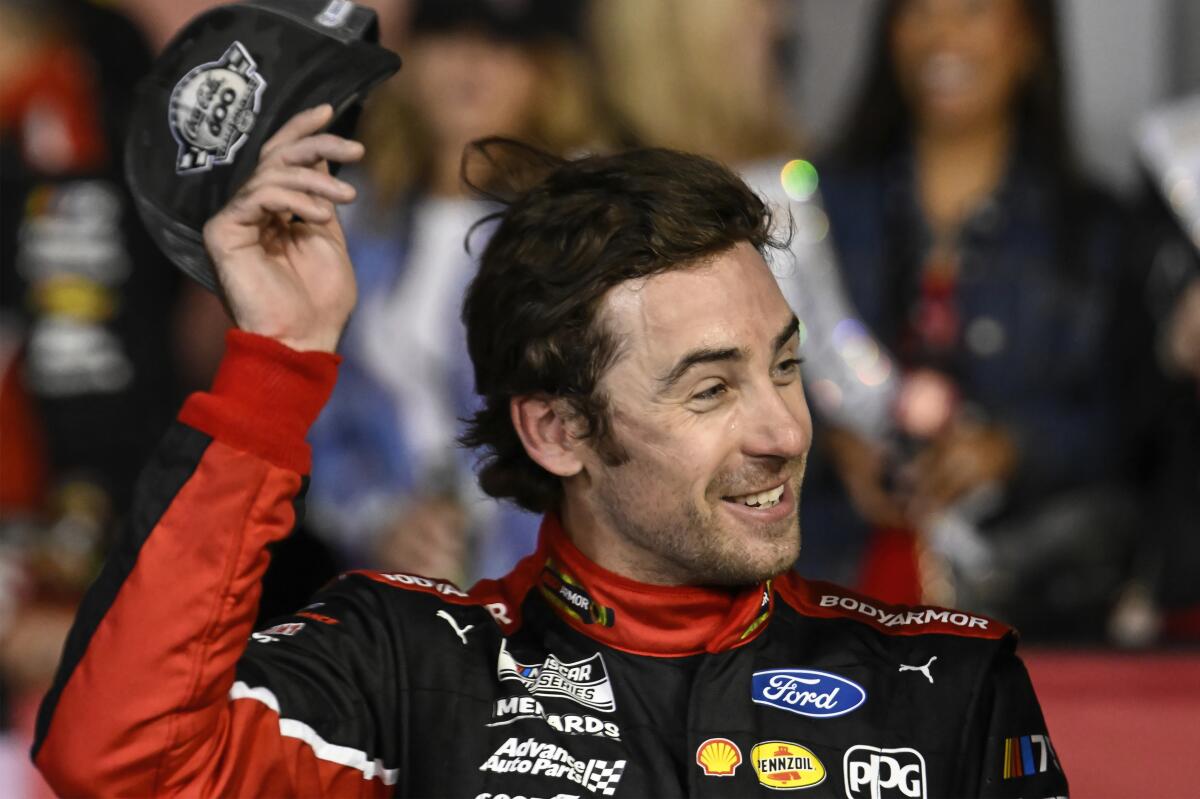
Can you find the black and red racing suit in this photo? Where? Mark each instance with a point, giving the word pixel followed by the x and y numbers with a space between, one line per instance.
pixel 560 680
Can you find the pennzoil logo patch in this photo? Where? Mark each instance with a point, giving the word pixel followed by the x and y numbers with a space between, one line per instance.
pixel 213 108
pixel 786 766
pixel 567 594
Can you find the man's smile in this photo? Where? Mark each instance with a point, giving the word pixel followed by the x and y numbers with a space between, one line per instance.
pixel 764 506
pixel 767 498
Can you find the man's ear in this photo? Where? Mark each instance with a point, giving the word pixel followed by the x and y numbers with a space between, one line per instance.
pixel 545 431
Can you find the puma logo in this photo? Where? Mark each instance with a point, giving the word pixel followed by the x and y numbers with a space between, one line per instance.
pixel 923 669
pixel 461 632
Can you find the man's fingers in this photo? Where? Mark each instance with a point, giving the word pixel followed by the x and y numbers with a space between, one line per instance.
pixel 302 124
pixel 322 147
pixel 252 207
pixel 305 179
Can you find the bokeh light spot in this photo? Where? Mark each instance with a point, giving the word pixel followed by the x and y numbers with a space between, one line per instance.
pixel 985 336
pixel 827 395
pixel 925 404
pixel 1183 192
pixel 799 179
pixel 812 224
pixel 874 373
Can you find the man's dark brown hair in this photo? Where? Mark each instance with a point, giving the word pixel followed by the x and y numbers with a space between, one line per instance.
pixel 581 228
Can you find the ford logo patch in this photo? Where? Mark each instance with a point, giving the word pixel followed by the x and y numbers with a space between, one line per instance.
pixel 808 692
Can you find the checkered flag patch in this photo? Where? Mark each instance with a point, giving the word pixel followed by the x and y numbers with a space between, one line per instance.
pixel 603 777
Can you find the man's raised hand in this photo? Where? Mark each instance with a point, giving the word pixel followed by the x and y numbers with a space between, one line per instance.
pixel 279 251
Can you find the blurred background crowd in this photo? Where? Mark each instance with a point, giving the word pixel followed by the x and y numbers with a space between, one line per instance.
pixel 994 211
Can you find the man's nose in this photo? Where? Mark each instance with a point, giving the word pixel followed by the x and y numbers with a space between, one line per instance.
pixel 778 424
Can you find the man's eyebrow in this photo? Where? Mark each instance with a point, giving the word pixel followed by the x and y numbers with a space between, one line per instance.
pixel 709 355
pixel 786 334
pixel 704 355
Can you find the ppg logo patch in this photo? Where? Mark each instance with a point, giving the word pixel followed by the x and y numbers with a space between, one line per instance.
pixel 873 773
pixel 808 692
pixel 213 109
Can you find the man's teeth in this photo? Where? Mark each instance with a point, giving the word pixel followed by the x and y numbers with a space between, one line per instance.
pixel 765 499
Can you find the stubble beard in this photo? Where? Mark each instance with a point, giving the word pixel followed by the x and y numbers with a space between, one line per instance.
pixel 695 546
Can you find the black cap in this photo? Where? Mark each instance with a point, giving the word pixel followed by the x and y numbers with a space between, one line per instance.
pixel 221 88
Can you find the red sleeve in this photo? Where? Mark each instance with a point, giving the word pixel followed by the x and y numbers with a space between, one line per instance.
pixel 264 398
pixel 141 704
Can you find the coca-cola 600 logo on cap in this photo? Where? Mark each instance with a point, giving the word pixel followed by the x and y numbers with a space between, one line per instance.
pixel 213 109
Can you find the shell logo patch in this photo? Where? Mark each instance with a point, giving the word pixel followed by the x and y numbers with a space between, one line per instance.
pixel 719 757
pixel 784 765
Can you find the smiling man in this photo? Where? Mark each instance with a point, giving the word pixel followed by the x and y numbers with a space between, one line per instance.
pixel 640 386
pixel 707 408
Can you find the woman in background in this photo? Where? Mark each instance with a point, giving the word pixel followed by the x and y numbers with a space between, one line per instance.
pixel 389 484
pixel 981 257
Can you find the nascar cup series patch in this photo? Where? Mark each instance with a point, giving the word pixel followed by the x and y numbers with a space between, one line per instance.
pixel 583 681
pixel 213 109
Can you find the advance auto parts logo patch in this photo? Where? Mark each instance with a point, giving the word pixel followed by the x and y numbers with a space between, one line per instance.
pixel 529 756
pixel 584 681
pixel 565 592
pixel 784 765
pixel 213 108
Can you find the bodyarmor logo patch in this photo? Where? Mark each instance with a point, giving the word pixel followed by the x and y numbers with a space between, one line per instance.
pixel 565 592
pixel 818 694
pixel 213 108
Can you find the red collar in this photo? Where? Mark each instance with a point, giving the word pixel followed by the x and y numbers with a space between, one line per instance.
pixel 645 619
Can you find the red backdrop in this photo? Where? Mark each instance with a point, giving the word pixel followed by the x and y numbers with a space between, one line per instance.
pixel 1124 725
